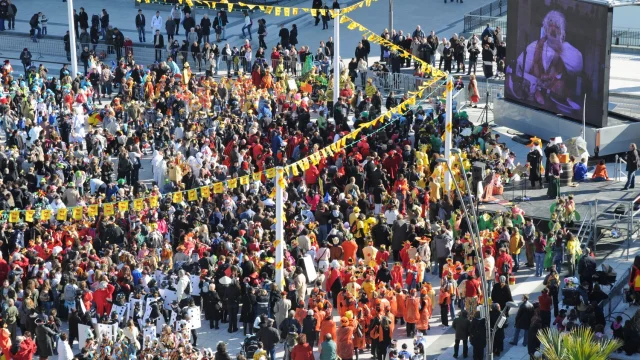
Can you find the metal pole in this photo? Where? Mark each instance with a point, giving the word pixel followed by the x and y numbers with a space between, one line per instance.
pixel 336 58
pixel 595 227
pixel 584 118
pixel 447 135
pixel 390 16
pixel 480 261
pixel 631 228
pixel 72 39
pixel 279 243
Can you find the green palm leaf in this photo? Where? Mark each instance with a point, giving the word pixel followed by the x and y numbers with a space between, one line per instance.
pixel 580 344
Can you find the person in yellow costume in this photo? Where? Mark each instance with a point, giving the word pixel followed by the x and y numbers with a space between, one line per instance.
pixel 370 253
pixel 370 89
pixel 369 285
pixel 186 73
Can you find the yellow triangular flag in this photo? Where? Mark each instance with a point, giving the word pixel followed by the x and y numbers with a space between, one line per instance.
pixel 314 12
pixel 244 180
pixel 294 11
pixel 138 204
pixel 273 193
pixel 45 215
pixel 123 206
pixel 177 197
pixel 269 10
pixel 232 183
pixel 28 215
pixel 77 213
pixel 344 19
pixel 353 25
pixel 109 209
pixel 287 11
pixel 323 12
pixel 294 169
pixel 205 192
pixel 305 164
pixel 230 7
pixel 62 214
pixel 257 176
pixel 14 216
pixel 218 188
pixel 192 195
pixel 271 173
pixel 153 202
pixel 278 10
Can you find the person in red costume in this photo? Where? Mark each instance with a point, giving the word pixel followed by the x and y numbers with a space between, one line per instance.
pixel 4 270
pixel 100 296
pixel 404 254
pixel 5 341
pixel 26 349
pixel 334 283
pixel 396 276
pixel 504 264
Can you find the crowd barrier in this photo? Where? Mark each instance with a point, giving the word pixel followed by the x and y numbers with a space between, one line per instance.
pixel 478 17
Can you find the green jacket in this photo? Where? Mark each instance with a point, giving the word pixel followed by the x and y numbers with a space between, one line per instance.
pixel 328 350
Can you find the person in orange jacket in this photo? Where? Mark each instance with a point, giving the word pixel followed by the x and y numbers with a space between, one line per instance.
pixel 344 339
pixel 401 297
pixel 425 313
pixel 301 312
pixel 327 326
pixel 412 313
pixel 444 299
pixel 350 247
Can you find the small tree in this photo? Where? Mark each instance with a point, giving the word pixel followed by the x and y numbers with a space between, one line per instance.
pixel 579 344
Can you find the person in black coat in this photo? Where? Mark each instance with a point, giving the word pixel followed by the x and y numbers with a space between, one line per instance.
pixel 523 320
pixel 158 44
pixel 212 307
pixel 478 336
pixel 293 35
pixel 633 161
pixel 498 337
pixel 118 42
pixel 532 337
pixel 83 19
pixel 501 294
pixel 284 36
pixel 205 26
pixel 309 327
pixel 233 303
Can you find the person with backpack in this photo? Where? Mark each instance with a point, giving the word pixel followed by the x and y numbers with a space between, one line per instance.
pixel 504 264
pixel 381 331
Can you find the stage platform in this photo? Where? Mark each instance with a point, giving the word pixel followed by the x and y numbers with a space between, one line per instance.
pixel 608 194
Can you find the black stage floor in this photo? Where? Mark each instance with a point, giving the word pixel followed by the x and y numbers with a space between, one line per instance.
pixel 608 194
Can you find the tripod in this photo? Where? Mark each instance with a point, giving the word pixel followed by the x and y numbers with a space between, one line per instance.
pixel 484 115
pixel 523 195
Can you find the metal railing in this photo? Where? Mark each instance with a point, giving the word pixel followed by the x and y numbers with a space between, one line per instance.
pixel 616 294
pixel 479 17
pixel 477 23
pixel 625 37
pixel 618 168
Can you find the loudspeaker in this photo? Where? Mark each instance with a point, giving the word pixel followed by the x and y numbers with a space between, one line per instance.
pixel 477 175
pixel 477 171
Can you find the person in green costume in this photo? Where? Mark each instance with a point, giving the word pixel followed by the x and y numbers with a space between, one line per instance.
pixel 548 251
pixel 485 223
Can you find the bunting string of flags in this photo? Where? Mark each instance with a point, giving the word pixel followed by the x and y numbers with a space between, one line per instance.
pixel 276 10
pixel 377 39
pixel 292 170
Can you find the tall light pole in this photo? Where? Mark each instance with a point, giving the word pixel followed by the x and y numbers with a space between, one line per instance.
pixel 72 39
pixel 336 58
pixel 390 16
pixel 479 259
pixel 279 243
pixel 448 129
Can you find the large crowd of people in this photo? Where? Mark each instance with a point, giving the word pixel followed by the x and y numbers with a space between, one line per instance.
pixel 368 223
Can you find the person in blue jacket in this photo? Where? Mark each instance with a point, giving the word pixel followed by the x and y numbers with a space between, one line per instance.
pixel 580 170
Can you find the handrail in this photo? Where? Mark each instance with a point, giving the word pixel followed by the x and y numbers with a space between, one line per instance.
pixel 618 167
pixel 587 219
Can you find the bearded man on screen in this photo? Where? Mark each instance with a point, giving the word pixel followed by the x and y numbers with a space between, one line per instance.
pixel 550 61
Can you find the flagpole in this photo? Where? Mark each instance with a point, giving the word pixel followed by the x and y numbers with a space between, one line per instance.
pixel 279 243
pixel 336 58
pixel 447 132
pixel 72 39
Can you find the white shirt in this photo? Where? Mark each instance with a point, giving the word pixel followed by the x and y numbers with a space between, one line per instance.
pixel 156 22
pixel 489 267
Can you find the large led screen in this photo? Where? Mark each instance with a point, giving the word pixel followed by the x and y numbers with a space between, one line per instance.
pixel 556 54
